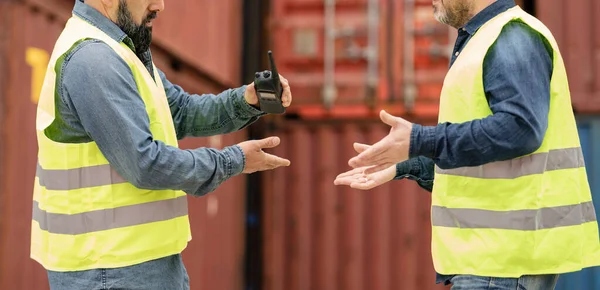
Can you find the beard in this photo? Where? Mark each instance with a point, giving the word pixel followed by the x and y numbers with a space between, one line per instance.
pixel 141 35
pixel 456 15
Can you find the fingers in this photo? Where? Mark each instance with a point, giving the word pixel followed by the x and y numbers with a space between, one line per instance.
pixel 369 156
pixel 286 98
pixel 378 168
pixel 347 180
pixel 273 161
pixel 351 172
pixel 269 142
pixel 360 148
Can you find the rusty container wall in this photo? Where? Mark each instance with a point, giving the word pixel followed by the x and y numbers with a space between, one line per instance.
pixel 408 61
pixel 321 236
pixel 27 35
pixel 202 33
pixel 205 34
pixel 576 27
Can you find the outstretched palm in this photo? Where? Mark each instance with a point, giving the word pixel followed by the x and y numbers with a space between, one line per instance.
pixel 357 178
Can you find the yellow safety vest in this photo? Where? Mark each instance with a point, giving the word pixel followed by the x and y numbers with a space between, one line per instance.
pixel 529 215
pixel 85 215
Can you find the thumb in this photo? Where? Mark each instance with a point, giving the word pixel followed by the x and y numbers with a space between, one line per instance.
pixel 250 87
pixel 387 118
pixel 269 142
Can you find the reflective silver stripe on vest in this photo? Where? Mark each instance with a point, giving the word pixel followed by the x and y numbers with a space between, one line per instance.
pixel 69 179
pixel 107 219
pixel 524 220
pixel 528 165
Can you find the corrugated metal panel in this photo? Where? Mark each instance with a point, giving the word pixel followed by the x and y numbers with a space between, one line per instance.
pixel 206 34
pixel 27 36
pixel 589 134
pixel 187 29
pixel 577 30
pixel 319 236
pixel 299 41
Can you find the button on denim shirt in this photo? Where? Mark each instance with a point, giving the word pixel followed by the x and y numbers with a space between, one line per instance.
pixel 98 101
pixel 516 77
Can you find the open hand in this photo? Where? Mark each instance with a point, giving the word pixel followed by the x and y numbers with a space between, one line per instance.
pixel 357 178
pixel 388 151
pixel 257 159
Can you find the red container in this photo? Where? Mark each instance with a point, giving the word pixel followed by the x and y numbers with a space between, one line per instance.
pixel 205 34
pixel 27 35
pixel 299 41
pixel 321 236
pixel 576 27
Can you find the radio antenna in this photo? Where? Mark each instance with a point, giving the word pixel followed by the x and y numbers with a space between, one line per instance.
pixel 274 71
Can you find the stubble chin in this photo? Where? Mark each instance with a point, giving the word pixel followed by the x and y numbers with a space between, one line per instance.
pixel 440 16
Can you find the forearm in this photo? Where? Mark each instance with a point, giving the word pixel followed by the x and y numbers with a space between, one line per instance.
pixel 209 114
pixel 498 137
pixel 157 166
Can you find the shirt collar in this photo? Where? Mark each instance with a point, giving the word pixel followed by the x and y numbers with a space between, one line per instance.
pixel 487 14
pixel 100 21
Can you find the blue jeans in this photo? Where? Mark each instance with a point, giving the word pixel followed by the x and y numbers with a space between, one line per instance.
pixel 164 273
pixel 536 282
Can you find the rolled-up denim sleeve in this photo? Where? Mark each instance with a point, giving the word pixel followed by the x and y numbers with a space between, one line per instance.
pixel 420 169
pixel 208 114
pixel 101 89
pixel 517 74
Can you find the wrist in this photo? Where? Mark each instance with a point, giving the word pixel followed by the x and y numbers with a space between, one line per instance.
pixel 422 141
pixel 244 107
pixel 236 160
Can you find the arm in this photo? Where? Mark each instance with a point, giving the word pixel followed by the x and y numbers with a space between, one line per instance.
pixel 208 114
pixel 419 169
pixel 517 73
pixel 99 88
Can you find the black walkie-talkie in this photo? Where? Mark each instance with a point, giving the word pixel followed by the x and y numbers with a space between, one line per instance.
pixel 269 90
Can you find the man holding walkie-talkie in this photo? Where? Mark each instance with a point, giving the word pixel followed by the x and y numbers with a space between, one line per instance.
pixel 109 205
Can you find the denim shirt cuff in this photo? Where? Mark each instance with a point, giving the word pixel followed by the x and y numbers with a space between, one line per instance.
pixel 422 141
pixel 243 109
pixel 235 160
pixel 407 168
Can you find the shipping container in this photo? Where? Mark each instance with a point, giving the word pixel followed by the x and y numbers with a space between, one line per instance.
pixel 576 27
pixel 204 34
pixel 589 134
pixel 321 236
pixel 28 31
pixel 318 236
pixel 349 58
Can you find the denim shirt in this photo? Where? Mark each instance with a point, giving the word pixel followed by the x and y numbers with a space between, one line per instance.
pixel 516 77
pixel 97 100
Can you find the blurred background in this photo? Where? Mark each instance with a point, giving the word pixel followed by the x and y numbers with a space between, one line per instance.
pixel 347 59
